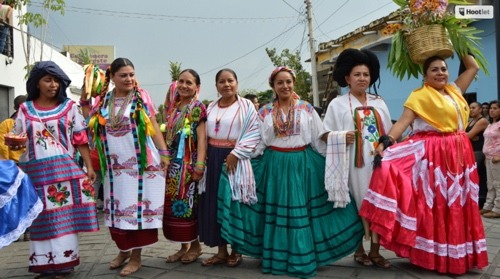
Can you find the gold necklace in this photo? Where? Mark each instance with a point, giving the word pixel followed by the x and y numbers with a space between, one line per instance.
pixel 116 119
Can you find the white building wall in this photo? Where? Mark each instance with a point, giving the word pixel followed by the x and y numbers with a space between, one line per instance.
pixel 13 74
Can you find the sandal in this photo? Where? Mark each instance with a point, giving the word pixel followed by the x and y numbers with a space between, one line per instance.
pixel 234 260
pixel 363 259
pixel 119 260
pixel 190 256
pixel 131 267
pixel 175 257
pixel 215 260
pixel 380 261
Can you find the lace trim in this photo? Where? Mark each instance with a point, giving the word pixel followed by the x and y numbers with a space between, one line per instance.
pixel 11 192
pixel 448 250
pixel 24 223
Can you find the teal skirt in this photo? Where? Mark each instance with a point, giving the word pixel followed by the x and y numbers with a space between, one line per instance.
pixel 292 227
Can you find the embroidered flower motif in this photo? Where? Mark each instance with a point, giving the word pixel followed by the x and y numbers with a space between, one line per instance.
pixel 88 189
pixel 195 114
pixel 181 209
pixel 372 129
pixel 58 194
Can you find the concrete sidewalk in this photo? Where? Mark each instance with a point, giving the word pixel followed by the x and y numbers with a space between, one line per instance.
pixel 97 250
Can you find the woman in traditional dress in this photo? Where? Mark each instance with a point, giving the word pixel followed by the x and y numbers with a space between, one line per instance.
pixel 126 137
pixel 233 134
pixel 19 202
pixel 423 200
pixel 187 150
pixel 354 122
pixel 291 227
pixel 55 130
pixel 491 149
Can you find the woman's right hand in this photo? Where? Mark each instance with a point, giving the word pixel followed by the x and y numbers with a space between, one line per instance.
pixel 83 95
pixel 380 149
pixel 350 137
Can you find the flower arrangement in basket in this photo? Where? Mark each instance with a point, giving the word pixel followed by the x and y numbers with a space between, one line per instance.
pixel 427 30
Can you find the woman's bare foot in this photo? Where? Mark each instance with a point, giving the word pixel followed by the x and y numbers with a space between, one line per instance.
pixel 119 260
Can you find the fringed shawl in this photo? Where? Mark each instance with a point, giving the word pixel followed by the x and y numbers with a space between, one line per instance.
pixel 242 181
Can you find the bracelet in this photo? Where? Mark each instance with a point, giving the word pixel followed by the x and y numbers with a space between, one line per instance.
pixel 198 171
pixel 84 103
pixel 201 164
pixel 164 152
pixel 166 156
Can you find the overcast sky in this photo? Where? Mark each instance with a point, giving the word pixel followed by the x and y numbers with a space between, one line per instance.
pixel 205 35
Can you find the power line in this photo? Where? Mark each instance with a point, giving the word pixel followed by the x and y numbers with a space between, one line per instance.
pixel 169 17
pixel 236 59
pixel 334 12
pixel 361 17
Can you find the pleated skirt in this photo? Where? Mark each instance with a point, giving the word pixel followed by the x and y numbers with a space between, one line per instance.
pixel 423 201
pixel 292 227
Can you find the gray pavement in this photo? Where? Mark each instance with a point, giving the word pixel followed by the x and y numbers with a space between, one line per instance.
pixel 97 250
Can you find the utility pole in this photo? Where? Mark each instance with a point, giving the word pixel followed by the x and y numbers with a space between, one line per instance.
pixel 312 46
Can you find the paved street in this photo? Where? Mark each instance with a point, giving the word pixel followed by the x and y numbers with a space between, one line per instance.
pixel 97 250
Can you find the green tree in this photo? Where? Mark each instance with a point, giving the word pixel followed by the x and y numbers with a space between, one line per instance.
pixel 38 20
pixel 303 80
pixel 265 96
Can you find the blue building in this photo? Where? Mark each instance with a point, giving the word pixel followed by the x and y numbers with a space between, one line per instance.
pixel 393 90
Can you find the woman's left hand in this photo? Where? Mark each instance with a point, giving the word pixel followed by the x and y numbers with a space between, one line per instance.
pixel 196 176
pixel 231 162
pixel 91 175
pixel 164 163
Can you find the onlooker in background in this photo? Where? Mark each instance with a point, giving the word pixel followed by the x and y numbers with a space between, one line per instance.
pixel 485 110
pixel 254 99
pixel 475 128
pixel 5 127
pixel 491 149
pixel 5 15
pixel 55 129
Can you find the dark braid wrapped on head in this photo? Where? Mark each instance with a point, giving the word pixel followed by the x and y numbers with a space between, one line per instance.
pixel 351 58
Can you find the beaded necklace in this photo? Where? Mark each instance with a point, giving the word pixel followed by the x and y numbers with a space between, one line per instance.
pixel 282 127
pixel 117 119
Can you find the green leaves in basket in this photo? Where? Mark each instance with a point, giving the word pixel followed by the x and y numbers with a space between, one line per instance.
pixel 461 34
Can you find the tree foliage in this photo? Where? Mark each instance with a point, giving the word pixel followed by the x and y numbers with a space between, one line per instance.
pixel 303 80
pixel 38 20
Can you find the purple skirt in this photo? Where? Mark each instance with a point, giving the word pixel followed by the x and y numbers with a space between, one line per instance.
pixel 209 228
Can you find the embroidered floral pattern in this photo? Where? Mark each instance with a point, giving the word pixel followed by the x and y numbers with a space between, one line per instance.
pixel 44 138
pixel 180 208
pixel 88 189
pixel 58 194
pixel 370 123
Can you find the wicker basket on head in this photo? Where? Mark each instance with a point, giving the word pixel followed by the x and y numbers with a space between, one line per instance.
pixel 427 41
